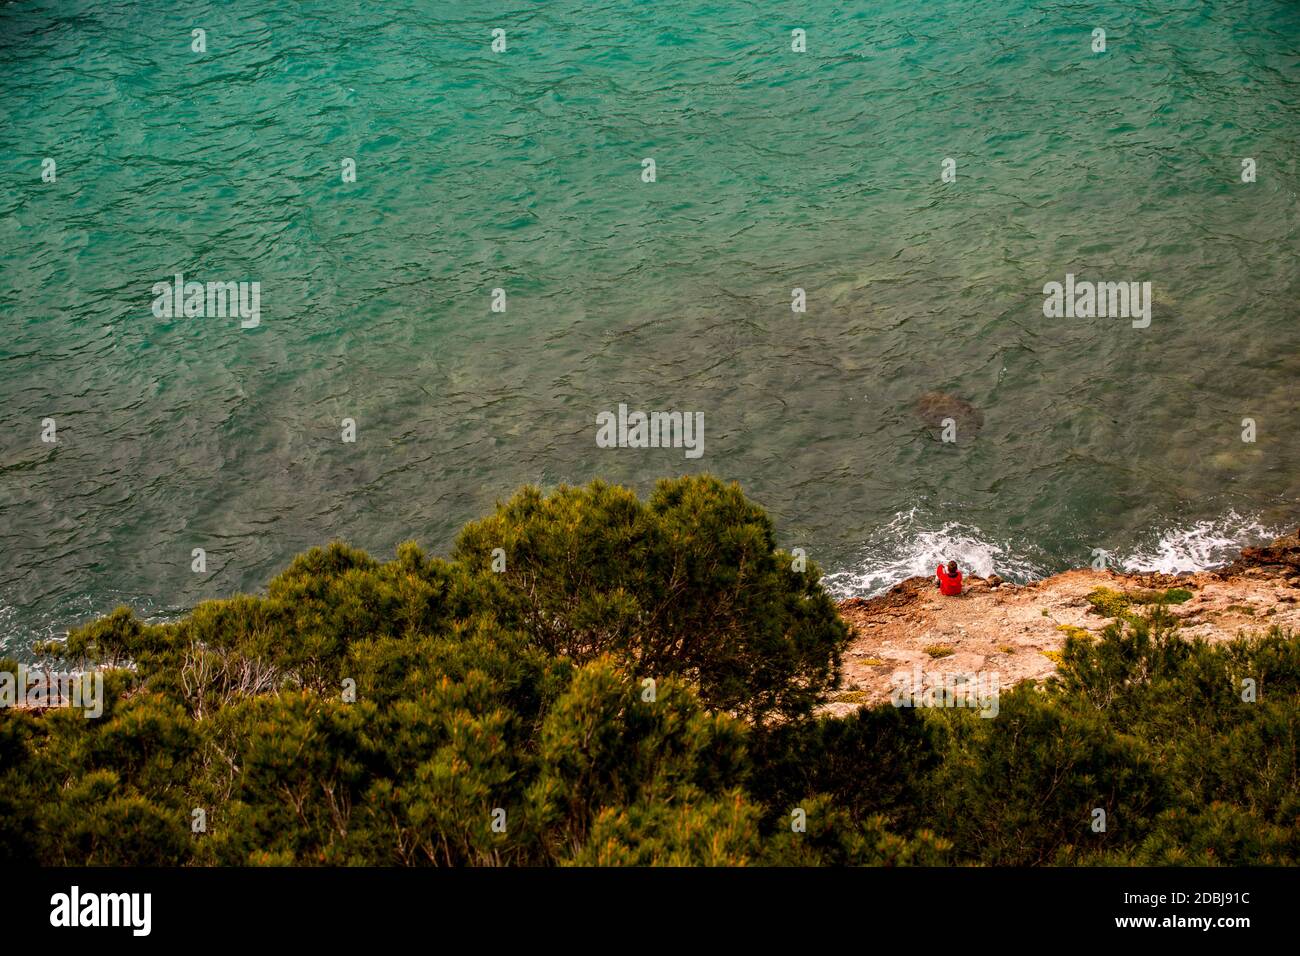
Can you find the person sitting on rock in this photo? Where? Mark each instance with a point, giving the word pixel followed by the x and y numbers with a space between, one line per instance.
pixel 949 579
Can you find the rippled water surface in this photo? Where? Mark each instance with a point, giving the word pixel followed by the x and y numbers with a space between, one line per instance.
pixel 522 170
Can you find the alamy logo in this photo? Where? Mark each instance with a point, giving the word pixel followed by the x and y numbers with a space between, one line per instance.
pixel 654 430
pixel 214 300
pixel 103 909
pixel 41 689
pixel 1087 300
pixel 977 691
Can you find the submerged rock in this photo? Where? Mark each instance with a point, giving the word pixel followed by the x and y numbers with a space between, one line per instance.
pixel 933 407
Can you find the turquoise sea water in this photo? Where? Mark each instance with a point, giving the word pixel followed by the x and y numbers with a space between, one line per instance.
pixel 522 170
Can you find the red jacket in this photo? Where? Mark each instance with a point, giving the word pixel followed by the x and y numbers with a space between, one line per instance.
pixel 949 584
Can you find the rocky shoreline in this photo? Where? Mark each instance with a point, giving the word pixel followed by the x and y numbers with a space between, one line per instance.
pixel 1013 629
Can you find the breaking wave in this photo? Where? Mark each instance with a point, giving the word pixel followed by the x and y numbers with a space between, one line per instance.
pixel 1200 545
pixel 907 547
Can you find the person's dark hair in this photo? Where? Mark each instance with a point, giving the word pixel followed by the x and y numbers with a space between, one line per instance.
pixel 952 567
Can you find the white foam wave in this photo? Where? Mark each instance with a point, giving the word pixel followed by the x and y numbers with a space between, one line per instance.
pixel 906 548
pixel 1200 545
pixel 909 546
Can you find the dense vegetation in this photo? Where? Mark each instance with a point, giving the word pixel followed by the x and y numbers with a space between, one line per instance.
pixel 635 685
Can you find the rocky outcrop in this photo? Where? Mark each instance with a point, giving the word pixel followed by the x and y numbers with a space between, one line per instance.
pixel 1281 557
pixel 1014 629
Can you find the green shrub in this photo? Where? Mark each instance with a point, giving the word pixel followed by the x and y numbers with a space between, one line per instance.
pixel 871 762
pixel 636 686
pixel 689 583
pixel 1021 789
pixel 1111 603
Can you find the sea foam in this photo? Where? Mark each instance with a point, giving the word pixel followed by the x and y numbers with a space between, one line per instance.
pixel 910 546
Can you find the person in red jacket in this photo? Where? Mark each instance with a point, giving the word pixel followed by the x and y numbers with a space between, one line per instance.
pixel 949 579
